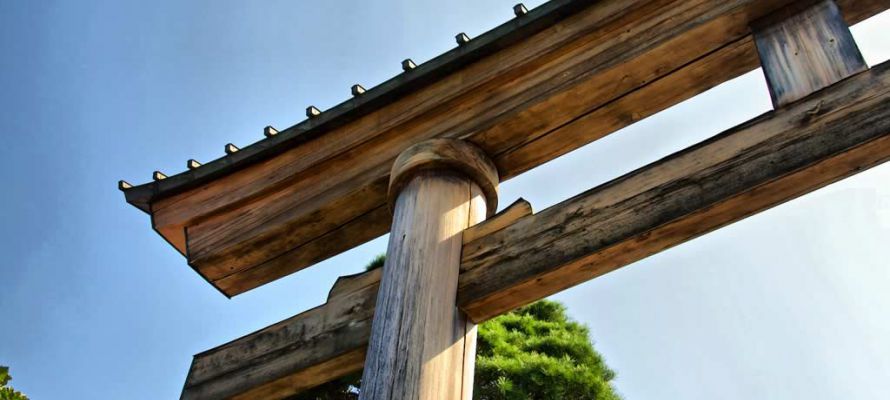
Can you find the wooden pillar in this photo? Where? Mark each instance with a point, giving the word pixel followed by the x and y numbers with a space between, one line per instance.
pixel 805 48
pixel 422 346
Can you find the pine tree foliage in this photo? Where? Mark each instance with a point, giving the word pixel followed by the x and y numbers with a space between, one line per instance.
pixel 345 388
pixel 377 262
pixel 536 352
pixel 6 392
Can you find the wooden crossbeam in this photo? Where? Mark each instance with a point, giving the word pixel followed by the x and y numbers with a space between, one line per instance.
pixel 319 188
pixel 728 178
pixel 293 355
pixel 517 257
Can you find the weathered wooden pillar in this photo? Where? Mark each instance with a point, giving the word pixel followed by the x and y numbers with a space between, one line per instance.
pixel 422 346
pixel 804 48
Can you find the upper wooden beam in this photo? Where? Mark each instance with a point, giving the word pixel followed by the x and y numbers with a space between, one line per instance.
pixel 587 69
pixel 517 257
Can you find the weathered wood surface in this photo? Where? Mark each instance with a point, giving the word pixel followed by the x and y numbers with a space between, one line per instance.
pixel 295 354
pixel 805 49
pixel 520 208
pixel 777 157
pixel 308 349
pixel 782 155
pixel 446 155
pixel 422 346
pixel 604 67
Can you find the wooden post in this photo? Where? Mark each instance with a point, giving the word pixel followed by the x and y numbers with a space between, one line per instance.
pixel 422 346
pixel 804 48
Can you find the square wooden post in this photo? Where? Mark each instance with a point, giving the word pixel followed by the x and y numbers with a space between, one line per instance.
pixel 804 48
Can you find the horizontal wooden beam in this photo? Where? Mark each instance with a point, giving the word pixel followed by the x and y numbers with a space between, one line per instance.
pixel 311 348
pixel 518 257
pixel 765 162
pixel 607 65
pixel 293 355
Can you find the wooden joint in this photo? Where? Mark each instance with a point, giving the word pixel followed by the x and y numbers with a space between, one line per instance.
pixel 508 216
pixel 804 48
pixel 446 155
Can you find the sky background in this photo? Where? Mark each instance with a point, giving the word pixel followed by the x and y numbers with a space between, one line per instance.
pixel 788 304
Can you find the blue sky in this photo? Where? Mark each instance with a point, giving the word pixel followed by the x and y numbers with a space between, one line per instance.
pixel 791 303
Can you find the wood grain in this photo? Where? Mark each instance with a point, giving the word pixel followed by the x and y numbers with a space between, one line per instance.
pixel 446 155
pixel 805 50
pixel 293 355
pixel 611 64
pixel 779 156
pixel 608 66
pixel 418 347
pixel 774 158
pixel 520 208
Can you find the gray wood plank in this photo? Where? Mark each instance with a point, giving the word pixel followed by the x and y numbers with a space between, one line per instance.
pixel 805 50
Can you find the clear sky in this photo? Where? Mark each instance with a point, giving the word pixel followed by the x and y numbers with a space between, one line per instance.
pixel 789 304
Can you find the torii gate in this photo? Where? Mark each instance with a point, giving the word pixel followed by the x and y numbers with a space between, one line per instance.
pixel 421 155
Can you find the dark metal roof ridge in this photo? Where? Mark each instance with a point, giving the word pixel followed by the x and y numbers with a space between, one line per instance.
pixel 506 34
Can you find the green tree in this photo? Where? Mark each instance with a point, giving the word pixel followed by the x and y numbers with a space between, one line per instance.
pixel 535 352
pixel 6 392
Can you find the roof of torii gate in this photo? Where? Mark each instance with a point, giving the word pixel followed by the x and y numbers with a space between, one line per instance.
pixel 364 101
pixel 542 84
pixel 313 190
pixel 549 81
